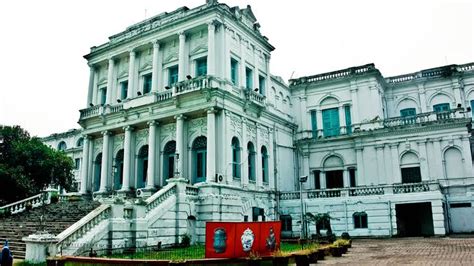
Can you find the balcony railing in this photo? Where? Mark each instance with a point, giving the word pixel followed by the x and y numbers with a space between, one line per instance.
pixel 192 84
pixel 363 191
pixel 423 118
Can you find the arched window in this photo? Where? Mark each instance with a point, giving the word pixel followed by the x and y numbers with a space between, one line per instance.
pixel 199 159
pixel 264 164
pixel 251 161
pixel 334 168
pixel 168 159
pixel 97 170
pixel 62 146
pixel 453 163
pixel 360 220
pixel 142 166
pixel 118 169
pixel 80 142
pixel 236 158
pixel 410 168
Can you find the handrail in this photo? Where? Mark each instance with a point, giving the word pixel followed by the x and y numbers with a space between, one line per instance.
pixel 160 196
pixel 192 191
pixel 84 225
pixel 20 205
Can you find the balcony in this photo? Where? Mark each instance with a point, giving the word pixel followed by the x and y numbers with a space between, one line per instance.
pixel 425 118
pixel 364 191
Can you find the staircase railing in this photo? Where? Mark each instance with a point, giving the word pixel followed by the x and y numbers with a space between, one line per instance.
pixel 81 227
pixel 19 206
pixel 160 196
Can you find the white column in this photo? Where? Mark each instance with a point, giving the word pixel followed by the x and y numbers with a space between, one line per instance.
pixel 150 182
pixel 423 103
pixel 156 72
pixel 95 91
pixel 322 179
pixel 179 143
pixel 226 59
pixel 346 178
pixel 85 164
pixel 258 170
pixel 110 81
pixel 245 154
pixel 355 103
pixel 131 75
pixel 211 145
pixel 361 179
pixel 90 91
pixel 211 48
pixel 256 70
pixel 396 174
pixel 380 165
pixel 182 57
pixel 466 154
pixel 269 77
pixel 305 169
pixel 388 164
pixel 104 173
pixel 425 175
pixel 342 120
pixel 243 52
pixel 319 122
pixel 127 158
pixel 271 158
pixel 304 116
pixel 440 174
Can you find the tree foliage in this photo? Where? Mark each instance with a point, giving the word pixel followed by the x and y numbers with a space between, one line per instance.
pixel 27 165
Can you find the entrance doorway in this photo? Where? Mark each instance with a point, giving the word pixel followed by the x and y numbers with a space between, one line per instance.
pixel 414 219
pixel 334 179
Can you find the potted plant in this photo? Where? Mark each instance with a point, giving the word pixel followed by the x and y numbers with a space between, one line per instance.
pixel 302 257
pixel 280 258
pixel 254 259
pixel 335 250
pixel 344 244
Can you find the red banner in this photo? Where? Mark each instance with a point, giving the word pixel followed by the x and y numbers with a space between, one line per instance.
pixel 239 239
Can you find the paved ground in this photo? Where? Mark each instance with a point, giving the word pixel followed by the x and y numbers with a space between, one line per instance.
pixel 415 251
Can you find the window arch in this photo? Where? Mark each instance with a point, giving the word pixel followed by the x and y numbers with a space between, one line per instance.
pixel 62 146
pixel 97 170
pixel 169 153
pixel 251 161
pixel 236 165
pixel 142 166
pixel 334 167
pixel 360 220
pixel 453 163
pixel 199 150
pixel 264 164
pixel 118 171
pixel 410 168
pixel 80 142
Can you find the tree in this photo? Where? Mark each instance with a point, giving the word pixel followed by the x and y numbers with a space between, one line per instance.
pixel 27 165
pixel 321 220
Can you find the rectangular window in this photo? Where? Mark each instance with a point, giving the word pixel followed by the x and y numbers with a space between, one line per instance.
pixel 261 85
pixel 147 83
pixel 407 112
pixel 442 107
pixel 201 67
pixel 172 75
pixel 123 89
pixel 331 122
pixel 314 125
pixel 77 163
pixel 317 179
pixel 360 220
pixel 103 95
pixel 248 78
pixel 411 175
pixel 286 224
pixel 347 111
pixel 234 70
pixel 352 177
pixel 472 108
pixel 461 205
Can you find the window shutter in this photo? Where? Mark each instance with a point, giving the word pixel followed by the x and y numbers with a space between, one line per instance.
pixel 347 110
pixel 314 125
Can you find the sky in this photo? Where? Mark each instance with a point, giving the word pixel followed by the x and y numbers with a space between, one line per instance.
pixel 44 77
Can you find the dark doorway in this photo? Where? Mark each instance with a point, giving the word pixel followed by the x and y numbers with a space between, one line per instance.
pixel 414 219
pixel 334 179
pixel 256 212
pixel 411 175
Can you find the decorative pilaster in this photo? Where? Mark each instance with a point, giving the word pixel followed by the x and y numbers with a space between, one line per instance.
pixel 182 56
pixel 256 72
pixel 319 122
pixel 104 173
pixel 127 155
pixel 110 81
pixel 131 75
pixel 90 91
pixel 346 178
pixel 271 158
pixel 304 115
pixel 342 120
pixel 85 164
pixel 179 144
pixel 422 93
pixel 245 155
pixel 211 48
pixel 269 77
pixel 322 179
pixel 380 164
pixel 156 67
pixel 466 154
pixel 361 180
pixel 258 150
pixel 425 175
pixel 243 52
pixel 150 182
pixel 396 174
pixel 438 156
pixel 211 144
pixel 355 103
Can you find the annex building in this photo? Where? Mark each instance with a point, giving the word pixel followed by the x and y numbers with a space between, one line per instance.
pixel 184 123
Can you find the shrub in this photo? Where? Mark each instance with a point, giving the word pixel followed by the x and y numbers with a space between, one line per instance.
pixel 345 236
pixel 186 240
pixel 54 198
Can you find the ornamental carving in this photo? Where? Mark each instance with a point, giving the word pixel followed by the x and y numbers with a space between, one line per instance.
pixel 251 132
pixel 236 124
pixel 264 134
pixel 168 130
pixel 198 125
pixel 142 135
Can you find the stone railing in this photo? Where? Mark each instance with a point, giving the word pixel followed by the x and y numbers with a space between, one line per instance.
pixel 90 112
pixel 192 191
pixel 333 75
pixel 164 95
pixel 444 71
pixel 255 97
pixel 156 199
pixel 363 191
pixel 423 118
pixel 465 67
pixel 83 226
pixel 19 206
pixel 115 108
pixel 194 84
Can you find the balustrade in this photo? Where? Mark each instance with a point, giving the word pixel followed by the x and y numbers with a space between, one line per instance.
pixel 192 191
pixel 198 83
pixel 89 112
pixel 155 200
pixel 19 206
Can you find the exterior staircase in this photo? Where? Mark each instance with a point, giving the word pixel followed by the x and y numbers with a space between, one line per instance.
pixel 57 217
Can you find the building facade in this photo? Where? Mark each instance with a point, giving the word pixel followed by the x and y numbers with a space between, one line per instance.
pixel 183 112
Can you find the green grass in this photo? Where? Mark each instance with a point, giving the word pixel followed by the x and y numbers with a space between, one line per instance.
pixel 192 252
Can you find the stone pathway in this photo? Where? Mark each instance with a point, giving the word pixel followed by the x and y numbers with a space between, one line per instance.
pixel 414 251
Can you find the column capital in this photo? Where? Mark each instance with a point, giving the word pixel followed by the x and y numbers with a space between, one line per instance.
pixel 211 25
pixel 359 148
pixel 153 123
pixel 156 44
pixel 211 110
pixel 128 128
pixel 106 133
pixel 91 66
pixel 393 145
pixel 132 52
pixel 111 59
pixel 180 117
pixel 182 35
pixel 86 137
pixel 379 146
pixel 421 141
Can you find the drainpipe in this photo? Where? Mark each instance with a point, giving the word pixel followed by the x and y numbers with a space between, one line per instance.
pixel 448 216
pixel 390 228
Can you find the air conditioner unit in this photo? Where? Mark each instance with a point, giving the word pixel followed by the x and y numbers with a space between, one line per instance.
pixel 139 192
pixel 219 178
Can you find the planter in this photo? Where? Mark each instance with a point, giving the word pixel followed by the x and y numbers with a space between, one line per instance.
pixel 344 249
pixel 301 260
pixel 253 262
pixel 313 257
pixel 281 261
pixel 335 251
pixel 321 254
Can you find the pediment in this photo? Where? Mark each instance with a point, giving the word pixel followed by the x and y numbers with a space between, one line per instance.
pixel 171 57
pixel 122 74
pixel 199 49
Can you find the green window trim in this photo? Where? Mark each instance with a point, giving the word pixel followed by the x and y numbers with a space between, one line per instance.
pixel 234 71
pixel 314 125
pixel 201 67
pixel 347 112
pixel 331 125
pixel 147 83
pixel 408 112
pixel 172 75
pixel 248 78
pixel 442 107
pixel 261 85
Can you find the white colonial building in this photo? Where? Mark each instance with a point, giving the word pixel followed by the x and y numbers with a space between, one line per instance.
pixel 184 124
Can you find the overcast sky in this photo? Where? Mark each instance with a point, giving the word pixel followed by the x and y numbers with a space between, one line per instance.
pixel 44 79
